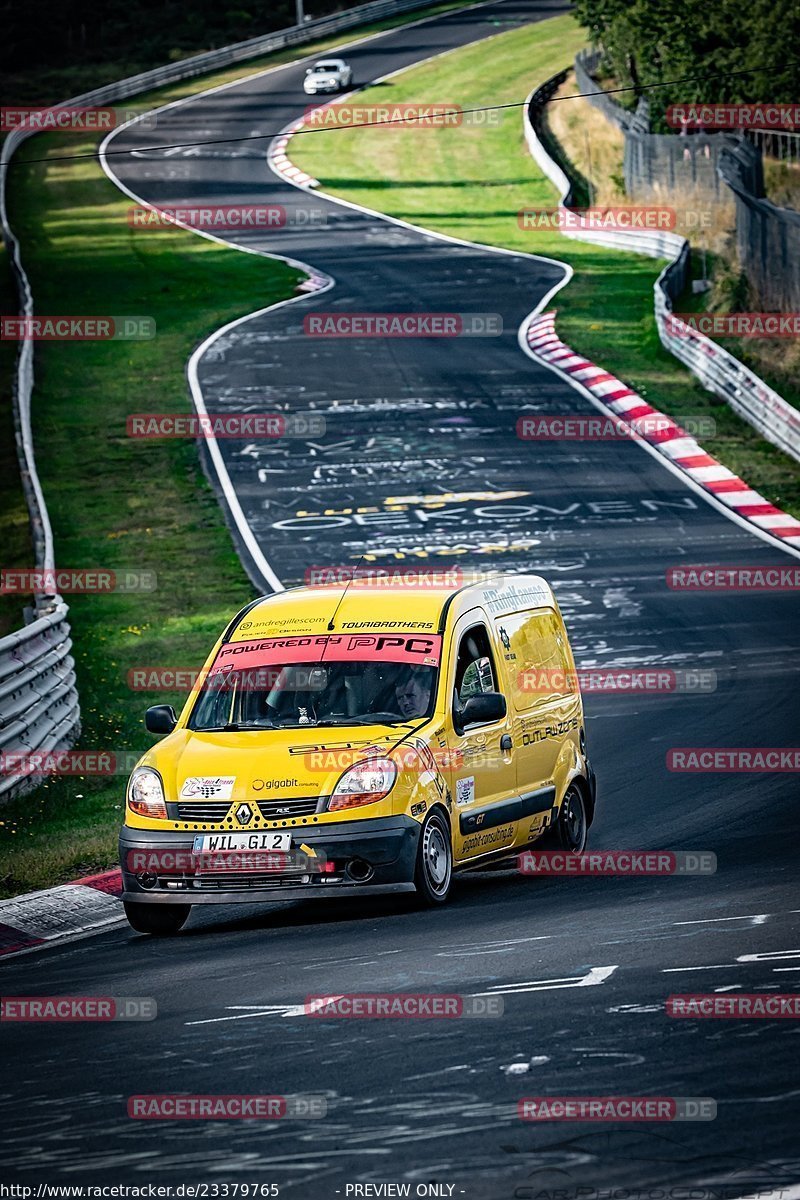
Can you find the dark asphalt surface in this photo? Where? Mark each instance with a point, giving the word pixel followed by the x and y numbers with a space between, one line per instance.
pixel 434 1102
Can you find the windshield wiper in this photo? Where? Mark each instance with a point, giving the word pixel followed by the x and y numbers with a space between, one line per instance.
pixel 357 721
pixel 231 727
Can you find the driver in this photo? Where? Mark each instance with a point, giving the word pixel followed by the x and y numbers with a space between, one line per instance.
pixel 414 693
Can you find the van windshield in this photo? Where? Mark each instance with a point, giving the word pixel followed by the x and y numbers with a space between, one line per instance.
pixel 336 679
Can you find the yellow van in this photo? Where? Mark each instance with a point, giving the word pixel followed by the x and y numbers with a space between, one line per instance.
pixel 360 740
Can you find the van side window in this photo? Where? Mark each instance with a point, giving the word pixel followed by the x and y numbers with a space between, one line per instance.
pixel 541 669
pixel 475 669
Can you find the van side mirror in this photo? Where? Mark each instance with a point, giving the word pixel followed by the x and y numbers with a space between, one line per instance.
pixel 160 719
pixel 480 710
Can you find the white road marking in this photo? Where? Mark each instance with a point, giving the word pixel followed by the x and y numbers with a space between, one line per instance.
pixel 595 976
pixel 635 1008
pixel 712 967
pixel 269 1010
pixel 769 956
pixel 757 919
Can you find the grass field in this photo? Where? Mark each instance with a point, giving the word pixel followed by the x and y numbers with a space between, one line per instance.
pixel 115 502
pixel 472 182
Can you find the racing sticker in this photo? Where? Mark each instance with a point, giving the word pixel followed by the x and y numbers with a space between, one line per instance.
pixel 423 649
pixel 465 791
pixel 208 787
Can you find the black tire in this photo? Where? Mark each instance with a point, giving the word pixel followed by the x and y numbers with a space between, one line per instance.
pixel 571 829
pixel 161 920
pixel 433 873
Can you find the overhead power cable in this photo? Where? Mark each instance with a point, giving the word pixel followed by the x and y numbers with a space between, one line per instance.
pixel 256 137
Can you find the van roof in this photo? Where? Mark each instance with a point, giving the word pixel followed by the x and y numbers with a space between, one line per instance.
pixel 415 604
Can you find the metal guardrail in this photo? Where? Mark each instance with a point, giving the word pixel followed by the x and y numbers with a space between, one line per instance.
pixel 39 709
pixel 38 700
pixel 718 371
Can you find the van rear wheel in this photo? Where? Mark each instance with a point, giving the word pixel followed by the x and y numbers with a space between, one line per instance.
pixel 571 829
pixel 433 874
pixel 161 920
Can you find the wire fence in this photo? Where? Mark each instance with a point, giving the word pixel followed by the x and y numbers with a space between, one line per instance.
pixel 720 165
pixel 717 370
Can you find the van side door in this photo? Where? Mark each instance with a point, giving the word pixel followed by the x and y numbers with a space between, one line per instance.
pixel 482 774
pixel 546 707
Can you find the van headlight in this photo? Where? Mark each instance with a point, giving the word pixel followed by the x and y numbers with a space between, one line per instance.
pixel 146 794
pixel 365 783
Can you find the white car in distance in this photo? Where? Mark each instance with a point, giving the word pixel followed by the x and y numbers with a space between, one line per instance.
pixel 328 75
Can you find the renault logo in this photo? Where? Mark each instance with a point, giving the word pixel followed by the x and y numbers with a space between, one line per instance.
pixel 244 814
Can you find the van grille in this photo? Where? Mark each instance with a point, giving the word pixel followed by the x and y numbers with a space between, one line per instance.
pixel 238 882
pixel 277 809
pixel 204 810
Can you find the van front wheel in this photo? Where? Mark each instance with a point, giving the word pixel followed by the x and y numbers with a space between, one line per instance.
pixel 162 920
pixel 434 870
pixel 571 829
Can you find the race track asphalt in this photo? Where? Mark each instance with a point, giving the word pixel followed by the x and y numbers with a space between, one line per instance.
pixel 409 421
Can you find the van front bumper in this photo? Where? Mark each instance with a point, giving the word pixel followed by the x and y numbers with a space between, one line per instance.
pixel 388 845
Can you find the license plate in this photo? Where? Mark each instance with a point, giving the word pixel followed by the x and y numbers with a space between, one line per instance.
pixel 205 843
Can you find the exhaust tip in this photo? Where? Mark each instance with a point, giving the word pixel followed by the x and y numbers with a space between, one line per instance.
pixel 359 871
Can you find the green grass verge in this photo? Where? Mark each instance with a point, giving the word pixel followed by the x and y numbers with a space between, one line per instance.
pixel 115 502
pixel 472 182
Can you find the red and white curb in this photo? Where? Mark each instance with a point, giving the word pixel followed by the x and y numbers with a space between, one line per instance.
pixel 73 910
pixel 683 452
pixel 282 164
